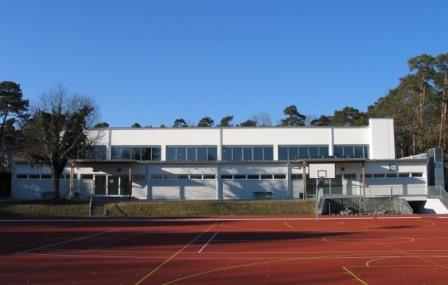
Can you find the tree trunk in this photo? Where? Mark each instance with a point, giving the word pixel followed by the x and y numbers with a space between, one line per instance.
pixel 56 188
pixel 421 117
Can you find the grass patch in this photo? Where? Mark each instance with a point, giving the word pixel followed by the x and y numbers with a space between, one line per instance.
pixel 210 208
pixel 44 209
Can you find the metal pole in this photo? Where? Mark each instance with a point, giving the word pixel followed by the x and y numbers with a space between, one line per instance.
pixel 317 200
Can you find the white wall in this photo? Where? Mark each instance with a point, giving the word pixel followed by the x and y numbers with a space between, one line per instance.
pixel 382 141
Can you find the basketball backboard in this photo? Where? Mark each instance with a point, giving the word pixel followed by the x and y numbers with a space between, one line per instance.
pixel 322 170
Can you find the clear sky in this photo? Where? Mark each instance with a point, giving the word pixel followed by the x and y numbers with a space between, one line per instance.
pixel 154 61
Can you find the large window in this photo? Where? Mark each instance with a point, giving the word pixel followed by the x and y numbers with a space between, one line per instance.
pixel 359 151
pixel 135 153
pixel 96 152
pixel 247 153
pixel 300 152
pixel 191 153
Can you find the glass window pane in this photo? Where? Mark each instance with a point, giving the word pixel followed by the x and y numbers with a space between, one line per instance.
pixel 146 153
pixel 211 154
pixel 125 153
pixel 202 153
pixel 293 154
pixel 237 154
pixel 170 153
pixel 181 154
pixel 338 151
pixel 358 151
pixel 303 152
pixel 155 153
pixel 191 153
pixel 323 151
pixel 226 153
pixel 247 153
pixel 314 151
pixel 258 153
pixel 136 153
pixel 116 152
pixel 268 153
pixel 348 151
pixel 282 153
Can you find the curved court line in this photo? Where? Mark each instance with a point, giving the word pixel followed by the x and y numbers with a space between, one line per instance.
pixel 173 256
pixel 257 263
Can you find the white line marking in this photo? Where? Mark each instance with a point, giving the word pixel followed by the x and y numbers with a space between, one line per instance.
pixel 170 220
pixel 63 242
pixel 205 245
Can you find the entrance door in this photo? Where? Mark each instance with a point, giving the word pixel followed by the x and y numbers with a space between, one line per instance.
pixel 124 185
pixel 100 184
pixel 113 182
pixel 5 185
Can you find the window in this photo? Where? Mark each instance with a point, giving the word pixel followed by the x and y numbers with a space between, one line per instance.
pixel 190 153
pixel 86 176
pixel 46 176
pixel 296 176
pixel 209 176
pixel 182 176
pixel 135 153
pixel 357 151
pixel 157 176
pixel 416 174
pixel 391 175
pixel 239 176
pixel 252 176
pixel 212 154
pixel 405 174
pixel 146 153
pixel 282 153
pixel 237 154
pixel 226 176
pixel 195 176
pixel 302 152
pixel 96 152
pixel 378 175
pixel 22 176
pixel 350 176
pixel 279 176
pixel 34 176
pixel 268 153
pixel 266 176
pixel 247 153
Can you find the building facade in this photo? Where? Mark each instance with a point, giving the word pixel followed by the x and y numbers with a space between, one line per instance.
pixel 231 163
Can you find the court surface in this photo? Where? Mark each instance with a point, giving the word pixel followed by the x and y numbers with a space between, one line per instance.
pixel 288 250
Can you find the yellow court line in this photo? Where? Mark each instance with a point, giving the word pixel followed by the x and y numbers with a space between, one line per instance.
pixel 288 225
pixel 172 256
pixel 354 275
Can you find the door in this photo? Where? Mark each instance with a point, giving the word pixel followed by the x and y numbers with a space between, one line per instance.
pixel 113 182
pixel 124 185
pixel 5 185
pixel 100 184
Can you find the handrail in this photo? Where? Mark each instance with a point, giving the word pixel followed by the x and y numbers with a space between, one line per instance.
pixel 91 205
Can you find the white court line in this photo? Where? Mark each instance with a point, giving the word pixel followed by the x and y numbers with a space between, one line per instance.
pixel 170 220
pixel 63 242
pixel 205 257
pixel 205 245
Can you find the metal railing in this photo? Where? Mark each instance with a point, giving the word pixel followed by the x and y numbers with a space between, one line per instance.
pixel 91 205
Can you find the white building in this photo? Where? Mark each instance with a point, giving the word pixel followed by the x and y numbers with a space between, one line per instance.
pixel 233 163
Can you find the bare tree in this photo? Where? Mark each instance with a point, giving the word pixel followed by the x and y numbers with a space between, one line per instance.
pixel 58 130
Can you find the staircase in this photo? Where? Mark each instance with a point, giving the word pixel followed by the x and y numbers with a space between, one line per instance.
pixel 97 207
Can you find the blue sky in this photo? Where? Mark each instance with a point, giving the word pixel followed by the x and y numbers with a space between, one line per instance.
pixel 154 61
